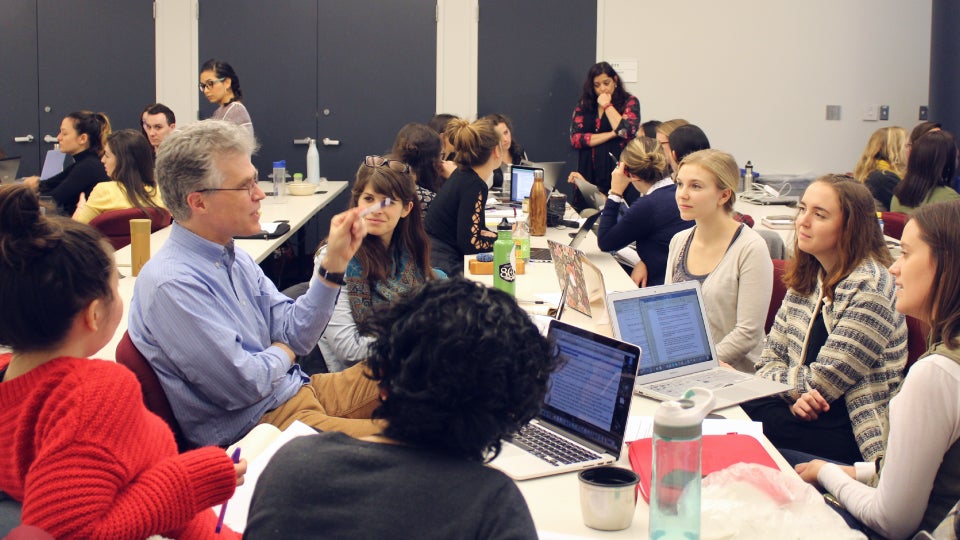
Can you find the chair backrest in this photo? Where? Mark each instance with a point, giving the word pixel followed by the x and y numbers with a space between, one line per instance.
pixel 779 291
pixel 893 223
pixel 115 224
pixel 153 396
pixel 917 333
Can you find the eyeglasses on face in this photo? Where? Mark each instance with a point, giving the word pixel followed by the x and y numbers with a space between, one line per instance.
pixel 379 161
pixel 210 84
pixel 250 186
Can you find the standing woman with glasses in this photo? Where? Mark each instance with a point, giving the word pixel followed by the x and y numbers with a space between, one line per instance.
pixel 83 135
pixel 393 259
pixel 456 222
pixel 220 85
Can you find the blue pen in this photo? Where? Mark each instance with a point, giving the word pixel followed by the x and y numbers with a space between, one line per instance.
pixel 223 509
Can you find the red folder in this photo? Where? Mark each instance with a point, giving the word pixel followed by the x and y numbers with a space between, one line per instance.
pixel 719 452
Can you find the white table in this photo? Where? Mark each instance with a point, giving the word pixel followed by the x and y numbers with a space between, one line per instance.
pixel 554 501
pixel 297 210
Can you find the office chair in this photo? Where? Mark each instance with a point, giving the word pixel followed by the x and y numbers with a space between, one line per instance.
pixel 115 224
pixel 779 291
pixel 917 333
pixel 893 223
pixel 153 396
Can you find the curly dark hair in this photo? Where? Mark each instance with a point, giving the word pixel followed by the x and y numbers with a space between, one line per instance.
pixel 461 366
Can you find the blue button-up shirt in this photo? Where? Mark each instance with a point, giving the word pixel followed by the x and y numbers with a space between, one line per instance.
pixel 205 316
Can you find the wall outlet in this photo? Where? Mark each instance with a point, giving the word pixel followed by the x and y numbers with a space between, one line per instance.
pixel 884 112
pixel 924 112
pixel 871 112
pixel 833 112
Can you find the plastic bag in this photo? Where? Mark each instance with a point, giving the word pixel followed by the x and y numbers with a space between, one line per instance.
pixel 746 501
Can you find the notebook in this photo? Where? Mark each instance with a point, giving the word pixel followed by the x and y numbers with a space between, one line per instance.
pixel 669 323
pixel 540 254
pixel 585 410
pixel 568 264
pixel 8 169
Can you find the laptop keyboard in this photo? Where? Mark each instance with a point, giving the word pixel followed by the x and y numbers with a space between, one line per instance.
pixel 714 380
pixel 550 447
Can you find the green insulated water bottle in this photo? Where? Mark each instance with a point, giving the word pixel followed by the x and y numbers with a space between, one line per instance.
pixel 504 275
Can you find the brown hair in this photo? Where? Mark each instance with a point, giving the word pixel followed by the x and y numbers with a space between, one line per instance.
pixel 938 229
pixel 52 268
pixel 473 142
pixel 860 239
pixel 375 258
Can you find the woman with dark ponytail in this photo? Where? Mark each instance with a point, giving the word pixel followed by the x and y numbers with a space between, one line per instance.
pixel 83 135
pixel 78 448
pixel 221 85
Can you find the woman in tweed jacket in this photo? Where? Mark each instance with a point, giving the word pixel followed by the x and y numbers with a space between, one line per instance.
pixel 837 339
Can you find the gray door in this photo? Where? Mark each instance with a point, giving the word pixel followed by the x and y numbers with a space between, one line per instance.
pixel 352 72
pixel 532 60
pixel 18 92
pixel 66 56
pixel 272 47
pixel 378 66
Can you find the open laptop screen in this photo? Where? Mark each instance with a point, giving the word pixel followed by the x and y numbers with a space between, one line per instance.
pixel 590 394
pixel 668 327
pixel 521 182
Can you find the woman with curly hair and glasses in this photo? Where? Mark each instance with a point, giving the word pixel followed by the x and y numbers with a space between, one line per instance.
pixel 393 259
pixel 459 367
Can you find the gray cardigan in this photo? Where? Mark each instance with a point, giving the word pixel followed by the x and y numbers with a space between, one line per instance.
pixel 736 296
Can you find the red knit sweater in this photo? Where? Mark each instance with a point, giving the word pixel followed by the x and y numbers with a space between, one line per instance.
pixel 88 460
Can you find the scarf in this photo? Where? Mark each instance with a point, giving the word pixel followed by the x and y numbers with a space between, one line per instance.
pixel 364 295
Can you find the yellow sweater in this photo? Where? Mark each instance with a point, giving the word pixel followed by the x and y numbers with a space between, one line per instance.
pixel 108 196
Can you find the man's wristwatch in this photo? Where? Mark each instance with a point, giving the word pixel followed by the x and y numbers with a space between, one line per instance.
pixel 332 277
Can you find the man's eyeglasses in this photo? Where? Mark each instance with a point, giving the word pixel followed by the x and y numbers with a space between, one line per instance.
pixel 250 187
pixel 379 161
pixel 210 84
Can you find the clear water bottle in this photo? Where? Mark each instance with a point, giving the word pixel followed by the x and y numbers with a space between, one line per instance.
pixel 880 222
pixel 507 180
pixel 313 163
pixel 677 443
pixel 504 257
pixel 279 177
pixel 521 237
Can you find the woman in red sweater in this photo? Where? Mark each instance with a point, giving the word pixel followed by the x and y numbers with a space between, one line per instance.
pixel 77 446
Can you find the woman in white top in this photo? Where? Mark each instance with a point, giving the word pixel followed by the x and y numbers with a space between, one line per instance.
pixel 730 260
pixel 221 85
pixel 918 479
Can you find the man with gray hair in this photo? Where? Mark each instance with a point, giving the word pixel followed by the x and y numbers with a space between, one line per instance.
pixel 220 336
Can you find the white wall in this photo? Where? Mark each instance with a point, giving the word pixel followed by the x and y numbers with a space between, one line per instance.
pixel 757 75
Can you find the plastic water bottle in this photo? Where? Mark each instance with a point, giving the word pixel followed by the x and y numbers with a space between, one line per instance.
pixel 313 163
pixel 505 189
pixel 677 443
pixel 880 222
pixel 279 177
pixel 747 177
pixel 521 237
pixel 504 255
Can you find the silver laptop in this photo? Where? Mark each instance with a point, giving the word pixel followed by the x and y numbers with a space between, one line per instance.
pixel 551 171
pixel 521 182
pixel 8 169
pixel 584 415
pixel 669 323
pixel 542 254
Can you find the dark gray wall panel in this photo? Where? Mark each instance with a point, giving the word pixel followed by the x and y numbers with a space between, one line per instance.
pixel 533 57
pixel 18 92
pixel 945 64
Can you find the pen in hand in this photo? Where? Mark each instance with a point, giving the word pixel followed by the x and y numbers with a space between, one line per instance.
pixel 223 509
pixel 387 201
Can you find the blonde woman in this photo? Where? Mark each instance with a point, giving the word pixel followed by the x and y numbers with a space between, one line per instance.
pixel 730 260
pixel 883 163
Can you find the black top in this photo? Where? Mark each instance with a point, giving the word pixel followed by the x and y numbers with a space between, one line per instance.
pixel 881 185
pixel 651 222
pixel 456 215
pixel 333 486
pixel 81 177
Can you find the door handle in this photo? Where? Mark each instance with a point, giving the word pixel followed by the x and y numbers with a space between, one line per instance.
pixel 26 138
pixel 327 141
pixel 49 139
pixel 305 140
